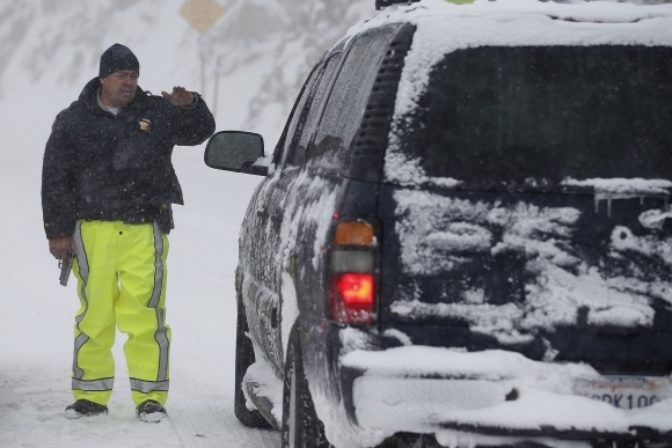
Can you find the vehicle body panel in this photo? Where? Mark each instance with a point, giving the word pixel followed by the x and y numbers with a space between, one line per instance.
pixel 518 285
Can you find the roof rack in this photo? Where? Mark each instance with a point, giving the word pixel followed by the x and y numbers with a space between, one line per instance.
pixel 384 3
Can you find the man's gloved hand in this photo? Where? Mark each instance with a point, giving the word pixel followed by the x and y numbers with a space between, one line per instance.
pixel 59 247
pixel 179 96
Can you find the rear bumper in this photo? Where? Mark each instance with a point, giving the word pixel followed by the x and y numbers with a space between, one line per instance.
pixel 475 397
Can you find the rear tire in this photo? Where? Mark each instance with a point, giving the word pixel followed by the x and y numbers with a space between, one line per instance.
pixel 244 359
pixel 301 428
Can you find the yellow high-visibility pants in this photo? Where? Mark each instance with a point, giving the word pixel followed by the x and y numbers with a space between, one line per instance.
pixel 121 272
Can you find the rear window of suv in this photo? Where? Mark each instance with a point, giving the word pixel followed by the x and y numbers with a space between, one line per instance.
pixel 496 117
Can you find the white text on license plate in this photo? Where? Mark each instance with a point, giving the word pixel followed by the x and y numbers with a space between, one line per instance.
pixel 626 392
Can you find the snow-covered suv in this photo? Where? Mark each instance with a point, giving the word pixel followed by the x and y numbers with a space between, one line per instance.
pixel 464 235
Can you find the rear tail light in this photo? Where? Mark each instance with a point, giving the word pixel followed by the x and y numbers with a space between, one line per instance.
pixel 353 298
pixel 357 233
pixel 353 281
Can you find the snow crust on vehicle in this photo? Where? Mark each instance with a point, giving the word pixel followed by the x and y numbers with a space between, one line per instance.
pixel 338 427
pixel 290 309
pixel 564 283
pixel 608 190
pixel 261 377
pixel 443 28
pixel 492 365
pixel 561 284
pixel 624 187
pixel 545 393
pixel 309 212
pixel 306 211
pixel 458 439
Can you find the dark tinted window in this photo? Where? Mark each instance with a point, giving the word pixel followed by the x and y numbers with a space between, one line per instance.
pixel 296 120
pixel 350 93
pixel 314 109
pixel 501 115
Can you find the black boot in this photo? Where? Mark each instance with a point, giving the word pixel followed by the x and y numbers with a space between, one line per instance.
pixel 151 411
pixel 84 408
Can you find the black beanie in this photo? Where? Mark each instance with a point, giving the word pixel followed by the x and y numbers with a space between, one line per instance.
pixel 117 57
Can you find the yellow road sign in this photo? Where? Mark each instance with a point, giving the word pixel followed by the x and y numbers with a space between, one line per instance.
pixel 202 14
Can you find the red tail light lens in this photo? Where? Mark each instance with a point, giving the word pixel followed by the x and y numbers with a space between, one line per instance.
pixel 353 298
pixel 356 290
pixel 352 268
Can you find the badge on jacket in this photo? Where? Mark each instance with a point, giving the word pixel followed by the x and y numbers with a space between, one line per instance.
pixel 145 125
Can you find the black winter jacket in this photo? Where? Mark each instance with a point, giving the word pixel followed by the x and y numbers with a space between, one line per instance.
pixel 98 166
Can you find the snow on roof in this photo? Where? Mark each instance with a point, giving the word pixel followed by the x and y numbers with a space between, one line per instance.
pixel 466 22
pixel 443 28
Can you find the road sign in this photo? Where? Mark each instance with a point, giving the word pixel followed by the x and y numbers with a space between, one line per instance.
pixel 202 14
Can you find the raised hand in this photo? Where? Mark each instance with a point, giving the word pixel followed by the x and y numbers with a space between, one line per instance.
pixel 179 96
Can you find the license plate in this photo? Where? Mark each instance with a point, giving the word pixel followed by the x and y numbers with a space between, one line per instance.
pixel 626 392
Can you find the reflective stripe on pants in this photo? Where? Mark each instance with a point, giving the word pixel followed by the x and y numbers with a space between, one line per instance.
pixel 121 271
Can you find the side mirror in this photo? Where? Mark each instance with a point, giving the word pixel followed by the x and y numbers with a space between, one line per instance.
pixel 237 151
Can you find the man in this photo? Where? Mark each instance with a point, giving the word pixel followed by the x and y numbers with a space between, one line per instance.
pixel 107 188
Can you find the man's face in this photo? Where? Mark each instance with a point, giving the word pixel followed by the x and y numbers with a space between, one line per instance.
pixel 118 88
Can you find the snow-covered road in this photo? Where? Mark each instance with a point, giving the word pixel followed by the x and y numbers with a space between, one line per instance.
pixel 50 50
pixel 200 417
pixel 36 318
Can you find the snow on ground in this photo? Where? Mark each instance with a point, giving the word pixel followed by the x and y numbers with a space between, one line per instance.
pixel 50 50
pixel 37 315
pixel 36 319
